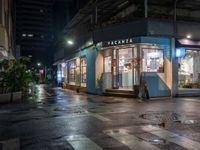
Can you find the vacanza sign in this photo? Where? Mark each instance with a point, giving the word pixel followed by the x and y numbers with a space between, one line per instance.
pixel 118 42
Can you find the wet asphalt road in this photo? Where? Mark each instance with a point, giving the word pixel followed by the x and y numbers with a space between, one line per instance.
pixel 57 119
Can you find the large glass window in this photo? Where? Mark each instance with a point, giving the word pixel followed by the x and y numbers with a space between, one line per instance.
pixel 189 70
pixel 152 60
pixel 64 71
pixel 107 64
pixel 83 69
pixel 72 70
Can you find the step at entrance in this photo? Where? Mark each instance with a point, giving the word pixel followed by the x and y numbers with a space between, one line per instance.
pixel 120 93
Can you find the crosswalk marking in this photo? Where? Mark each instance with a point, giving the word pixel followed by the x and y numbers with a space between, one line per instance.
pixel 81 142
pixel 129 140
pixel 172 137
pixel 100 117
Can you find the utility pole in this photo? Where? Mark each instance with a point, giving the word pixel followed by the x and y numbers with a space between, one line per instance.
pixel 175 14
pixel 146 8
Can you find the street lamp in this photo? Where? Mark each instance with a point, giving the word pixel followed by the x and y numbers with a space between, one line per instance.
pixel 70 42
pixel 38 64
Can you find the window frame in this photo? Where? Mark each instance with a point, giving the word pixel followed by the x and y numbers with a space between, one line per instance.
pixel 142 61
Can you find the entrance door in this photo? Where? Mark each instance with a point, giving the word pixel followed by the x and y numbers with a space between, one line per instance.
pixel 125 68
pixel 122 69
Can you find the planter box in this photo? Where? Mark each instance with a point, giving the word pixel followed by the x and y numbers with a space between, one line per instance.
pixel 17 96
pixel 5 98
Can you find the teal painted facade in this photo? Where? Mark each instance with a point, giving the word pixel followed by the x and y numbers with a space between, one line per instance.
pixel 90 54
pixel 157 87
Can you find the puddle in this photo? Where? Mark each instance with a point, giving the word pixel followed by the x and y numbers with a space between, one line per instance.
pixel 60 109
pixel 158 141
pixel 190 122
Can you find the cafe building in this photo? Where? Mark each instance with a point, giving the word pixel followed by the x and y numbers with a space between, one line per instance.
pixel 115 58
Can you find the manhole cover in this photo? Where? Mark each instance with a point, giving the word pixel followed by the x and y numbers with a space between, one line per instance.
pixel 161 117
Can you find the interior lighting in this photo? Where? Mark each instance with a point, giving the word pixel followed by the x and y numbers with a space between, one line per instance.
pixel 188 36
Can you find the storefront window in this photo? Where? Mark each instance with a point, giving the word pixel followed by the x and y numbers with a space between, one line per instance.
pixel 107 64
pixel 72 70
pixel 83 69
pixel 152 60
pixel 189 70
pixel 64 71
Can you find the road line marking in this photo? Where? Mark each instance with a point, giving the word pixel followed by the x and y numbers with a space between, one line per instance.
pixel 115 112
pixel 50 95
pixel 130 140
pixel 172 137
pixel 85 115
pixel 190 100
pixel 81 142
pixel 102 118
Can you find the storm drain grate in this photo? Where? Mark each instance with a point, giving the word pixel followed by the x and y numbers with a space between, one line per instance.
pixel 162 119
pixel 168 116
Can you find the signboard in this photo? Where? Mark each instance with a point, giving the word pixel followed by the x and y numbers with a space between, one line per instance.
pixel 118 42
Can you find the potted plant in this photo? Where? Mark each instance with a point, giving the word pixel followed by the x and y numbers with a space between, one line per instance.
pixel 17 78
pixel 99 82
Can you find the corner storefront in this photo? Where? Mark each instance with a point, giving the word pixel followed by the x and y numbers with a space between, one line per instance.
pixel 125 61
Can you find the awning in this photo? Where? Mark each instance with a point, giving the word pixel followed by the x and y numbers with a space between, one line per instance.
pixel 187 43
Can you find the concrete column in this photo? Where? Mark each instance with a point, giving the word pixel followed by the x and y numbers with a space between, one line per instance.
pixel 174 60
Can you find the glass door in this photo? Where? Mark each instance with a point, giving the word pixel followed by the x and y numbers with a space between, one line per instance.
pixel 125 68
pixel 122 69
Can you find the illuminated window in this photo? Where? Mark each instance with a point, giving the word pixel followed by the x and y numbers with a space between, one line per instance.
pixel 30 35
pixel 23 35
pixel 107 64
pixel 189 70
pixel 83 69
pixel 41 10
pixel 152 60
pixel 72 70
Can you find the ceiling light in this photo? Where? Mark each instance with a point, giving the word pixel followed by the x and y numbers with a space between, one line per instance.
pixel 188 36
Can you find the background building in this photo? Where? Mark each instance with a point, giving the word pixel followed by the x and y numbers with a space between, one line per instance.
pixel 7 42
pixel 34 28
